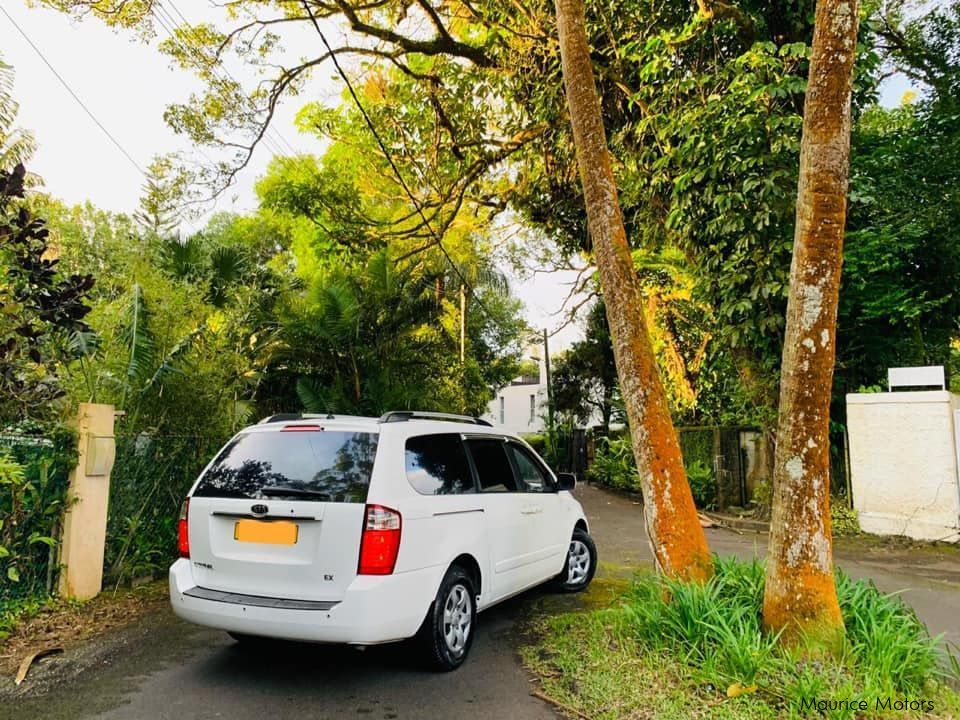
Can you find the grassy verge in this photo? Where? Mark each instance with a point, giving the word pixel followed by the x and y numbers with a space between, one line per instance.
pixel 665 650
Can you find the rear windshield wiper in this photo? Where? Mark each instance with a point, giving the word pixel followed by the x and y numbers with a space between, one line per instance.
pixel 271 490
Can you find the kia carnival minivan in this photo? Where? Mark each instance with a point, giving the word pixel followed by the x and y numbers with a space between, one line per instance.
pixel 372 530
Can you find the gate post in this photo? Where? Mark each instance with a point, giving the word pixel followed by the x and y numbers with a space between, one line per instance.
pixel 85 525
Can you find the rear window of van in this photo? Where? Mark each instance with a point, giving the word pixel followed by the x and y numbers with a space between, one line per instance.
pixel 322 466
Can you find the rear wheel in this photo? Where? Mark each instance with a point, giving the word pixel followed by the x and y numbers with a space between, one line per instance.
pixel 447 632
pixel 581 563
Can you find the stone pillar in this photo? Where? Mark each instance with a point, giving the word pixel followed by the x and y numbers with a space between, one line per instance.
pixel 85 525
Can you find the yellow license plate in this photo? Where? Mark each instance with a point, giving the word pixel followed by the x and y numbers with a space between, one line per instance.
pixel 273 532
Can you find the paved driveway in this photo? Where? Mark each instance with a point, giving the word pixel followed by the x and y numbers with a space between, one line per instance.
pixel 164 668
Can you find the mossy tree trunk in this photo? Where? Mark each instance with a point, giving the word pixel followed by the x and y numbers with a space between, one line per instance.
pixel 800 597
pixel 677 539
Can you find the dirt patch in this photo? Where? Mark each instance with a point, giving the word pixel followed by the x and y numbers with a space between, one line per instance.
pixel 68 624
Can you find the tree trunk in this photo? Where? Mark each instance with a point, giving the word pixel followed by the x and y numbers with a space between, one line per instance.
pixel 801 597
pixel 676 537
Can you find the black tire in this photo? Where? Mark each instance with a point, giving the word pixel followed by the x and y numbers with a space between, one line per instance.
pixel 456 594
pixel 573 580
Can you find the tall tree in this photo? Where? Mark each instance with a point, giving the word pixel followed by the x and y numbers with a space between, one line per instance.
pixel 679 544
pixel 800 596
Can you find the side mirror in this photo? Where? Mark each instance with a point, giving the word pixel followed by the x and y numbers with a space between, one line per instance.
pixel 566 481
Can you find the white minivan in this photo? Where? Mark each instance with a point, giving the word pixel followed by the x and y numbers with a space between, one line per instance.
pixel 371 530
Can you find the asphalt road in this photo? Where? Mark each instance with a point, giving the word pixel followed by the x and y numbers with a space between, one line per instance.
pixel 164 668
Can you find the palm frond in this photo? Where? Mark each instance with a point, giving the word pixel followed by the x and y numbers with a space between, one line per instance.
pixel 138 340
pixel 170 363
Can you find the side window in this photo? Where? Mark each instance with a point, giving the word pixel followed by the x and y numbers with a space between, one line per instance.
pixel 532 475
pixel 493 467
pixel 437 465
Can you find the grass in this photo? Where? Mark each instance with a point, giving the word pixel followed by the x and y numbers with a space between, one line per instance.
pixel 662 649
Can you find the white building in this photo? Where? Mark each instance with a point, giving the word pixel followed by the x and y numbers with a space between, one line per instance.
pixel 520 407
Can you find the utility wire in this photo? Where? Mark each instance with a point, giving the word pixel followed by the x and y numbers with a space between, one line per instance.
pixel 76 97
pixel 396 170
pixel 277 135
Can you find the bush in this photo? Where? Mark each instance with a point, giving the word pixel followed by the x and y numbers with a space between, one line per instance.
pixel 614 466
pixel 702 484
pixel 33 494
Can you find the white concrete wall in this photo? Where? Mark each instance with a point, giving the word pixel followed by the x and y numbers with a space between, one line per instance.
pixel 903 462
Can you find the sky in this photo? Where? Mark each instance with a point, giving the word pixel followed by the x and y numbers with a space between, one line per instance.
pixel 127 84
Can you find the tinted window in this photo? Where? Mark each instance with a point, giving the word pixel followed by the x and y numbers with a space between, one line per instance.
pixel 437 465
pixel 531 473
pixel 325 466
pixel 493 467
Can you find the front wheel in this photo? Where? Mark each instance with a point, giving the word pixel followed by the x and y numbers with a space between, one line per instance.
pixel 447 632
pixel 581 563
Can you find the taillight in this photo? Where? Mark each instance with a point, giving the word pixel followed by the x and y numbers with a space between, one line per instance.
pixel 183 538
pixel 380 541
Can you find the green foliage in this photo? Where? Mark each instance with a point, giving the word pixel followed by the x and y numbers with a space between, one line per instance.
pixel 16 144
pixel 898 301
pixel 718 628
pixel 614 466
pixel 843 519
pixel 42 309
pixel 585 377
pixel 703 485
pixel 13 612
pixel 33 497
pixel 699 640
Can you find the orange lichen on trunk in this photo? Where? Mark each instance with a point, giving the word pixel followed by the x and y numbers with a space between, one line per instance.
pixel 800 598
pixel 677 540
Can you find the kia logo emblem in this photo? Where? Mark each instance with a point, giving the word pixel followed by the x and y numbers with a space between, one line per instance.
pixel 259 509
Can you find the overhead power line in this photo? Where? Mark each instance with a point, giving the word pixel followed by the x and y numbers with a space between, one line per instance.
pixel 396 170
pixel 74 95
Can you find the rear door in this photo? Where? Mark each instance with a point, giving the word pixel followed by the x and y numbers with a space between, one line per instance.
pixel 280 511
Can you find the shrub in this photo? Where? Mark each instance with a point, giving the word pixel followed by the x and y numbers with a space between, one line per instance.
pixel 614 466
pixel 702 484
pixel 33 494
pixel 717 627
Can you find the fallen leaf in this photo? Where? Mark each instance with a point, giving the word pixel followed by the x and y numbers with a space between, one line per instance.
pixel 28 661
pixel 738 689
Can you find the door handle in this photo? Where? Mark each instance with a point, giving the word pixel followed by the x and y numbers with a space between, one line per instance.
pixel 532 511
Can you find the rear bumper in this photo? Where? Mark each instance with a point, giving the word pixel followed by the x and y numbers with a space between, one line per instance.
pixel 373 610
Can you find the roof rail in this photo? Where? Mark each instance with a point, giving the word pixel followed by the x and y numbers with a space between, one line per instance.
pixel 405 415
pixel 287 417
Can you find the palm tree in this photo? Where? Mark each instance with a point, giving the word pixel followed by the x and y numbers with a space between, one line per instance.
pixel 16 144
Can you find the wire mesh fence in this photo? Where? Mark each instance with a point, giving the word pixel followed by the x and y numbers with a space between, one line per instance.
pixel 150 478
